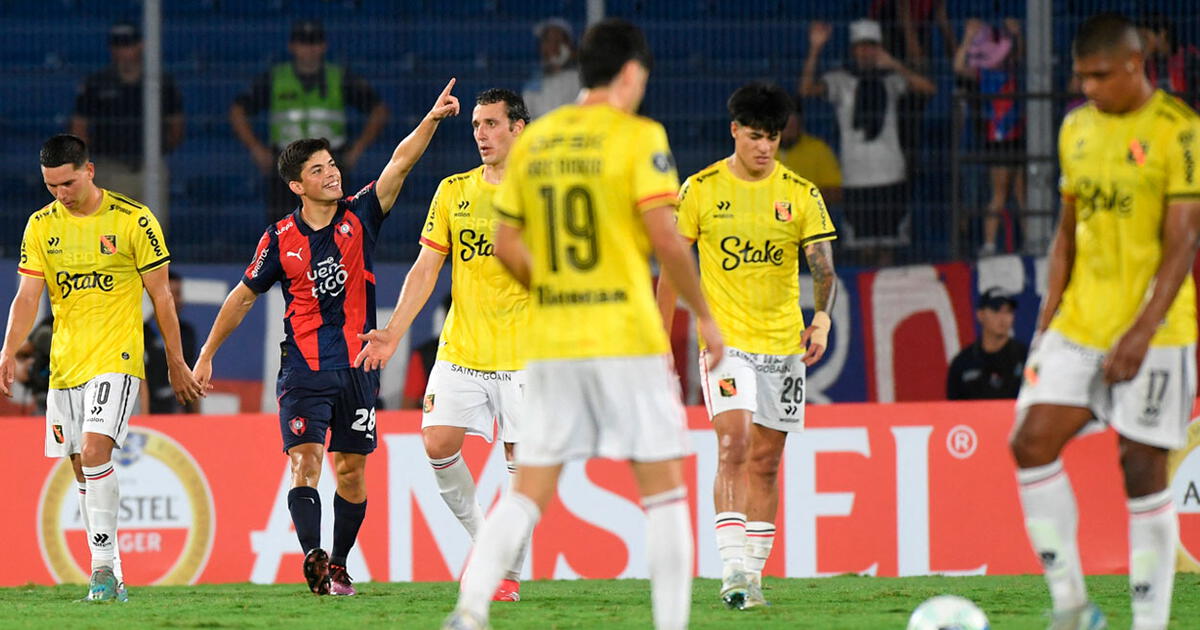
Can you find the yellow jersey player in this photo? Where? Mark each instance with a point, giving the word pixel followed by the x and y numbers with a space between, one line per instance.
pixel 588 193
pixel 95 250
pixel 752 218
pixel 477 379
pixel 1117 330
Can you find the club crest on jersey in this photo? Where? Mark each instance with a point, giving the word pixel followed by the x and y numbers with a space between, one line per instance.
pixel 662 161
pixel 344 228
pixel 428 406
pixel 298 425
pixel 1031 374
pixel 728 387
pixel 58 433
pixel 108 244
pixel 1137 152
pixel 783 211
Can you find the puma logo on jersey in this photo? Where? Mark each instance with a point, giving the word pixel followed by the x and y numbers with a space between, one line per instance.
pixel 296 253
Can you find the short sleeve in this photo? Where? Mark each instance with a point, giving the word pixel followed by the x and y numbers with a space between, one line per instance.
pixel 364 204
pixel 816 226
pixel 31 262
pixel 85 99
pixel 507 200
pixel 655 180
pixel 687 213
pixel 1066 183
pixel 264 269
pixel 954 389
pixel 436 233
pixel 839 86
pixel 1183 182
pixel 149 246
pixel 359 93
pixel 830 172
pixel 258 97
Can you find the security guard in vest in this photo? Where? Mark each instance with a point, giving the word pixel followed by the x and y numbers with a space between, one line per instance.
pixel 305 98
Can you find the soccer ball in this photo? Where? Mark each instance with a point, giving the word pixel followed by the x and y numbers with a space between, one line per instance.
pixel 948 612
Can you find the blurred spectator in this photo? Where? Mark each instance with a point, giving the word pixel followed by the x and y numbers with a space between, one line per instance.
pixel 908 33
pixel 908 27
pixel 157 395
pixel 991 367
pixel 108 117
pixel 305 98
pixel 557 80
pixel 810 157
pixel 988 61
pixel 33 363
pixel 1171 64
pixel 865 95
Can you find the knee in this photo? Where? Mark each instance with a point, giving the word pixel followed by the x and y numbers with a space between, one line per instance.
pixel 351 481
pixel 1030 450
pixel 94 453
pixel 306 470
pixel 1144 467
pixel 732 450
pixel 765 465
pixel 439 445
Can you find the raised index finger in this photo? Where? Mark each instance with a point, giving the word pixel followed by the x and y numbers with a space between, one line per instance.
pixel 446 90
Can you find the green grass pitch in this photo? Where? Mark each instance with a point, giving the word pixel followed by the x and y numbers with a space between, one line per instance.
pixel 848 602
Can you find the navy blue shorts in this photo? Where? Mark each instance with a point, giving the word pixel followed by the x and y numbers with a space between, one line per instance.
pixel 312 403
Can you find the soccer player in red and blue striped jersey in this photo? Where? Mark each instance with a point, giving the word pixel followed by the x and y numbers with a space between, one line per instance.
pixel 321 255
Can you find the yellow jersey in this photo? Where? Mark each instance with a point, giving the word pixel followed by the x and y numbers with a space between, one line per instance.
pixel 577 182
pixel 813 160
pixel 487 309
pixel 93 269
pixel 751 236
pixel 1121 171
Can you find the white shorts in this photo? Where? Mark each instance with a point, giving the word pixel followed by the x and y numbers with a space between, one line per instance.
pixel 102 405
pixel 475 400
pixel 1154 408
pixel 770 386
pixel 616 407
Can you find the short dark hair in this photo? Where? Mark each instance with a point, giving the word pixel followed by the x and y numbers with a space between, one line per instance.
pixel 1104 33
pixel 64 149
pixel 606 46
pixel 761 105
pixel 294 155
pixel 514 105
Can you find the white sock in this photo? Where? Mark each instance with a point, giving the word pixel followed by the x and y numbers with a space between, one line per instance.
pixel 731 540
pixel 1052 521
pixel 501 537
pixel 458 491
pixel 103 494
pixel 760 537
pixel 514 571
pixel 669 549
pixel 1153 530
pixel 87 531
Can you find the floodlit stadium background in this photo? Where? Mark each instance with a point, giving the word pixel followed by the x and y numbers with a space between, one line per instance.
pixel 406 49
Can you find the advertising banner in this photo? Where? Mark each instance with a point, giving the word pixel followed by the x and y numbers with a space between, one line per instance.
pixel 889 490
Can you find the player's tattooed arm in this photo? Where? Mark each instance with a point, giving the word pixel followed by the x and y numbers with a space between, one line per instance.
pixel 820 265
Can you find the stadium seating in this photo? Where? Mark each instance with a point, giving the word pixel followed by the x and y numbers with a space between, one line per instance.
pixel 215 48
